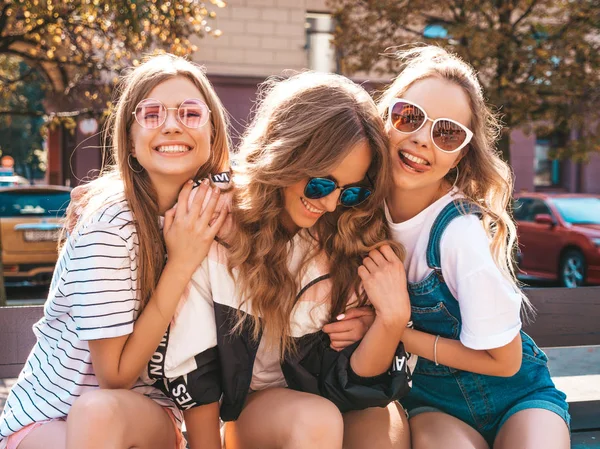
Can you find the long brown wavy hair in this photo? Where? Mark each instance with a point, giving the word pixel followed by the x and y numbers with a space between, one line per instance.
pixel 484 178
pixel 118 179
pixel 304 126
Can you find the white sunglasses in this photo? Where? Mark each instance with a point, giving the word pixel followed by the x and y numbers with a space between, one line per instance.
pixel 447 135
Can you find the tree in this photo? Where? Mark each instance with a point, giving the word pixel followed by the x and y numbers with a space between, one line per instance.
pixel 69 52
pixel 71 41
pixel 538 60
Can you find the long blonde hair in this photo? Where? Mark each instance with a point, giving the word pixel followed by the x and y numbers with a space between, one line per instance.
pixel 304 127
pixel 484 178
pixel 120 178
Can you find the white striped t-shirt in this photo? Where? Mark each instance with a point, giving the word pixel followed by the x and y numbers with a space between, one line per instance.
pixel 93 295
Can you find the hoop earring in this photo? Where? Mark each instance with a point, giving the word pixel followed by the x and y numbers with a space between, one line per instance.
pixel 455 179
pixel 129 163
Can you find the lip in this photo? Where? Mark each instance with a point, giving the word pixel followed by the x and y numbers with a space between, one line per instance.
pixel 312 214
pixel 413 165
pixel 172 142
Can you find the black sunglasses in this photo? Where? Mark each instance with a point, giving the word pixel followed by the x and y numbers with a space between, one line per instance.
pixel 350 196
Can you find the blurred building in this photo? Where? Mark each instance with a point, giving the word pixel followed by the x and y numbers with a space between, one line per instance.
pixel 261 38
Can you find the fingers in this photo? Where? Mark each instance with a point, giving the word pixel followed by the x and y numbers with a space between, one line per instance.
pixel 216 225
pixel 356 312
pixel 200 194
pixel 208 212
pixel 339 327
pixel 377 257
pixel 381 258
pixel 363 273
pixel 388 253
pixel 169 217
pixel 183 199
pixel 340 345
pixel 222 203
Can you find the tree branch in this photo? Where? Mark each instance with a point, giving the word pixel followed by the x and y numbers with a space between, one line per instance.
pixel 525 14
pixel 3 18
pixel 7 81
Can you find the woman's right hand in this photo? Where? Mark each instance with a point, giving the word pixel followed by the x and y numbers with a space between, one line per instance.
pixel 384 280
pixel 189 230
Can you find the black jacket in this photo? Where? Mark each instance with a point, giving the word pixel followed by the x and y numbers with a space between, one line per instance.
pixel 202 359
pixel 313 368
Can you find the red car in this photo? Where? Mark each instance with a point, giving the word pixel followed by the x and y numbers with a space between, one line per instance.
pixel 559 237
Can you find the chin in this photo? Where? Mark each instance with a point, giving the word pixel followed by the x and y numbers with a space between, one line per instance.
pixel 304 222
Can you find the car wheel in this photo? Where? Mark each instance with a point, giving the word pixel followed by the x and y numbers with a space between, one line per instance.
pixel 572 269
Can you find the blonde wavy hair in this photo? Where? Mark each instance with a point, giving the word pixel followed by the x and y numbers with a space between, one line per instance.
pixel 118 178
pixel 484 178
pixel 304 127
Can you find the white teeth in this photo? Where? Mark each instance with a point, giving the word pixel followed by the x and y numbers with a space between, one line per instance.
pixel 415 159
pixel 172 149
pixel 310 208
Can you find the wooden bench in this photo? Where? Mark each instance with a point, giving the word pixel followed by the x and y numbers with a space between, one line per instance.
pixel 565 317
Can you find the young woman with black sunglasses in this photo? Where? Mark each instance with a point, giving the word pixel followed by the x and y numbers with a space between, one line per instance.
pixel 306 241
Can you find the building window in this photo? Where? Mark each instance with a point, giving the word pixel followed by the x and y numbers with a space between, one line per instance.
pixel 319 36
pixel 546 170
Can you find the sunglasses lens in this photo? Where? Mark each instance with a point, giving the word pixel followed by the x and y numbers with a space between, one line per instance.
pixel 319 188
pixel 353 196
pixel 193 113
pixel 448 136
pixel 150 113
pixel 406 117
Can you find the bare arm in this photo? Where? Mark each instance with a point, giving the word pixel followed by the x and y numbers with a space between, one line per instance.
pixel 119 361
pixel 202 425
pixel 384 280
pixel 504 361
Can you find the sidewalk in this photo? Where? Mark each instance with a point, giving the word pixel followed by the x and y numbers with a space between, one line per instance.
pixel 575 370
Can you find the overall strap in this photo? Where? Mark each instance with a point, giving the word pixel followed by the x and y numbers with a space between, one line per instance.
pixel 453 210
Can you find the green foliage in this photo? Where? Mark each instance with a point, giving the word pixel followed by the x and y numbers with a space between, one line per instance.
pixel 73 41
pixel 538 60
pixel 59 49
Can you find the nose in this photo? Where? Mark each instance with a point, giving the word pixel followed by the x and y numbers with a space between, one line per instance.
pixel 330 202
pixel 172 123
pixel 422 137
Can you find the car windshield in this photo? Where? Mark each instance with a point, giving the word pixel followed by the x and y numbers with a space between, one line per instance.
pixel 579 210
pixel 38 204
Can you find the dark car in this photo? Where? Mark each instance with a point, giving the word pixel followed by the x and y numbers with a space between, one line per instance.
pixel 30 223
pixel 559 237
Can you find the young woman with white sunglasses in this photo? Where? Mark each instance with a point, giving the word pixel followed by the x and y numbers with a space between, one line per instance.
pixel 480 381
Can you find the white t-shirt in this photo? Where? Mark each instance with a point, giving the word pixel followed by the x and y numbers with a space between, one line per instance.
pixel 489 303
pixel 93 295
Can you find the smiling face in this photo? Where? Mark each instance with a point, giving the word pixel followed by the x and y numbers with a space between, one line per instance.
pixel 417 164
pixel 301 212
pixel 172 153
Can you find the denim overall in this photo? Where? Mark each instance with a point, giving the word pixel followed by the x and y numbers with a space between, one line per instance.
pixel 484 402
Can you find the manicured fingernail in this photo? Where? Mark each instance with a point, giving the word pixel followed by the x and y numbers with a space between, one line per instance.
pixel 340 317
pixel 205 181
pixel 216 190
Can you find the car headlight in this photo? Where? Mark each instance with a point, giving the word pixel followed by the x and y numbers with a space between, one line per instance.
pixel 596 241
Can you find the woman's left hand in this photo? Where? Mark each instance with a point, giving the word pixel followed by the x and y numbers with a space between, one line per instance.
pixel 384 280
pixel 351 327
